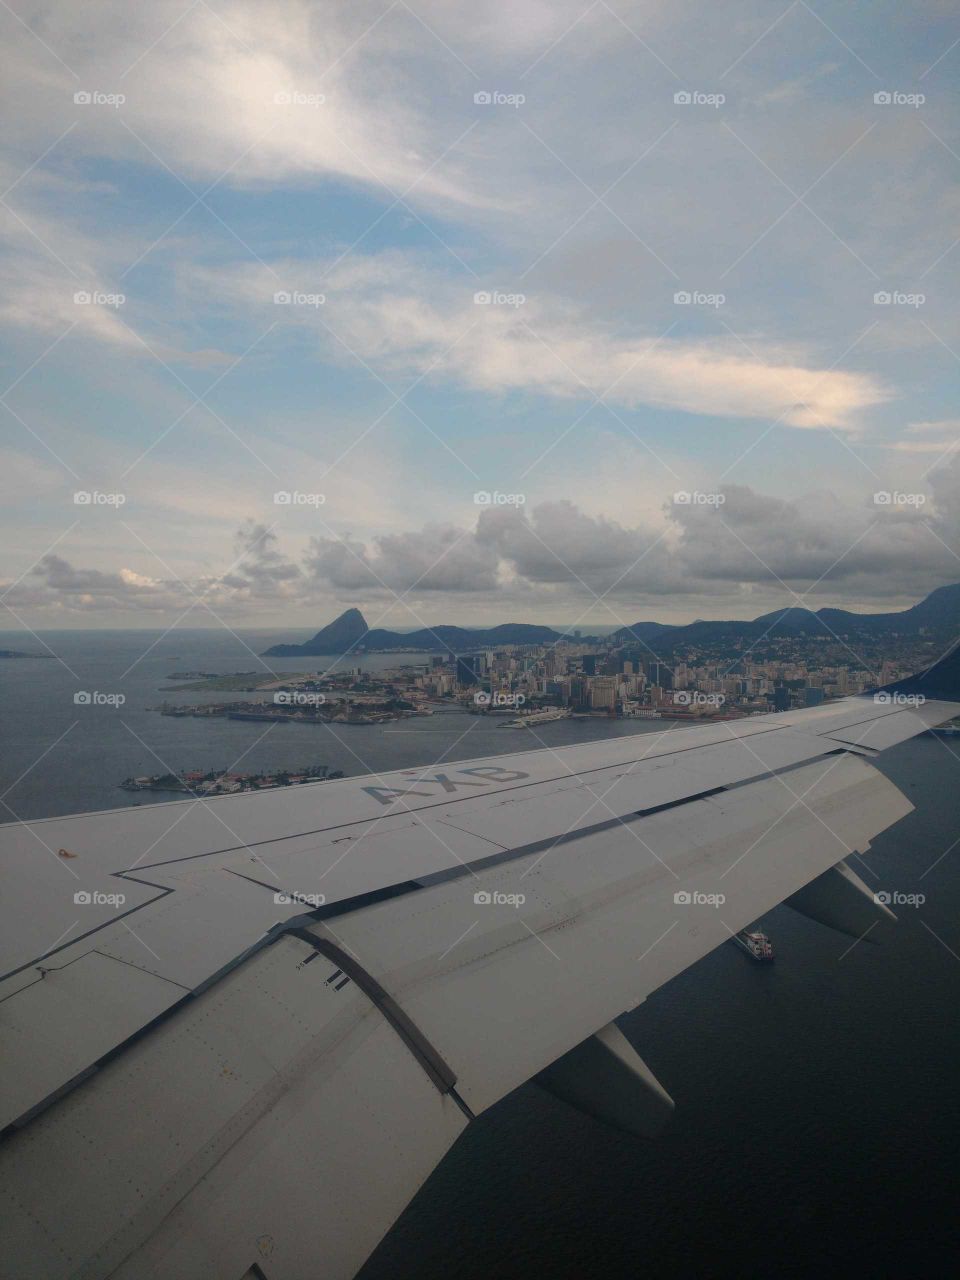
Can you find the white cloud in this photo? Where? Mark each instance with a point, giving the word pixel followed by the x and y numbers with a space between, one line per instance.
pixel 201 84
pixel 554 559
pixel 407 320
pixel 941 438
pixel 201 90
pixel 435 558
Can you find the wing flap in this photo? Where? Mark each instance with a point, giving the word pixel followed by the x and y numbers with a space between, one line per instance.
pixel 283 1121
pixel 502 987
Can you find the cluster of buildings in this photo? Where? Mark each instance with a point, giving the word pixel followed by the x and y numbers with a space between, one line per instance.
pixel 626 681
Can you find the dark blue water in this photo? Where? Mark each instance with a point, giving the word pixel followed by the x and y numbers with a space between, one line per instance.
pixel 818 1114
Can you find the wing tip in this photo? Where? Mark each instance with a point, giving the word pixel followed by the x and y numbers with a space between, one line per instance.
pixel 939 682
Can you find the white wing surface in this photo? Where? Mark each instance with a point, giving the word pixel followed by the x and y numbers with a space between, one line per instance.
pixel 239 1033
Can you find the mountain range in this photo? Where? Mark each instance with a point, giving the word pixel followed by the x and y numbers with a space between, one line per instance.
pixel 350 630
pixel 938 612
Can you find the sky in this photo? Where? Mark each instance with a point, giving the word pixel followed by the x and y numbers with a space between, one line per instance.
pixel 508 311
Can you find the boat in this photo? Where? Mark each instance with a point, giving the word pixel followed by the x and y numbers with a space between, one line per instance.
pixel 756 944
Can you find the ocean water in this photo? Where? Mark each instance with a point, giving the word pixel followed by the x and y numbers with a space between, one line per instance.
pixel 58 757
pixel 818 1115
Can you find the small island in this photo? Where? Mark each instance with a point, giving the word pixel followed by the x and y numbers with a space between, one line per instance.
pixel 220 782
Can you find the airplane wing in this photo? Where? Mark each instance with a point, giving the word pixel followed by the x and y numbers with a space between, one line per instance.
pixel 239 1033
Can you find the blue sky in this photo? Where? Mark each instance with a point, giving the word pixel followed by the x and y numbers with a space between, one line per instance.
pixel 339 155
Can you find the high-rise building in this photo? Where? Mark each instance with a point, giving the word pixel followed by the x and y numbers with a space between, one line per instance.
pixel 467 669
pixel 580 692
pixel 603 693
pixel 659 674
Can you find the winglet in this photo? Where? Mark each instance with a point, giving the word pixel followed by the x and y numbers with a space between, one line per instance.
pixel 940 682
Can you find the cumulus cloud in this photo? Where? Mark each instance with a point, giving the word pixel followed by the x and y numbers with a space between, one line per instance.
pixel 433 559
pixel 56 585
pixel 258 577
pixel 261 570
pixel 554 556
pixel 748 541
pixel 558 543
pixel 754 538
